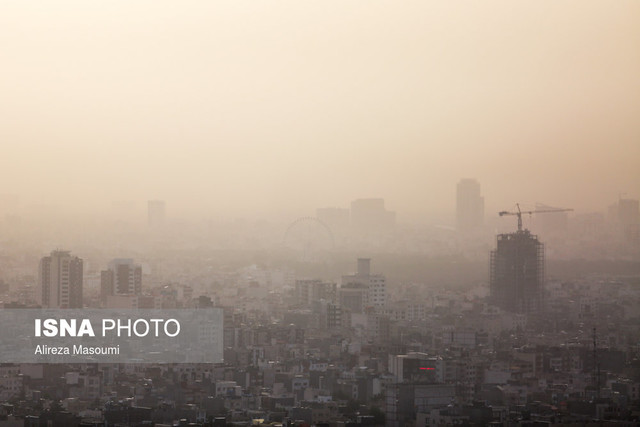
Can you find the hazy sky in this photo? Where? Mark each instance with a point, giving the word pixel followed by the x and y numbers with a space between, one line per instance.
pixel 284 106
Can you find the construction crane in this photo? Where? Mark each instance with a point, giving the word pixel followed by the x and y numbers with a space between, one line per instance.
pixel 519 213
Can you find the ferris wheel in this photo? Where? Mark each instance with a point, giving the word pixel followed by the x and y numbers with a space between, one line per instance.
pixel 308 235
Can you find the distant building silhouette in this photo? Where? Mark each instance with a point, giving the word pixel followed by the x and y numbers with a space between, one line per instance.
pixel 551 224
pixel 469 205
pixel 517 272
pixel 628 215
pixel 337 219
pixel 122 277
pixel 60 277
pixel 369 216
pixel 156 212
pixel 628 212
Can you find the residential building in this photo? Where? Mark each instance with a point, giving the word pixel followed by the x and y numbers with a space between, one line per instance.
pixel 122 277
pixel 60 278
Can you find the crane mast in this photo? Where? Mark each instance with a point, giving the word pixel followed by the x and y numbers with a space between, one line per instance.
pixel 519 213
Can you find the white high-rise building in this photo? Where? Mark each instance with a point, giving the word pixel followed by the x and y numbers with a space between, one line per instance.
pixel 60 277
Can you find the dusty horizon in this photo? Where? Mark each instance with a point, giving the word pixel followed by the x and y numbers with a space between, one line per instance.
pixel 249 109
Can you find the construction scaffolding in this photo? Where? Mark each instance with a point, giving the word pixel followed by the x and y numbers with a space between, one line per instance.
pixel 517 272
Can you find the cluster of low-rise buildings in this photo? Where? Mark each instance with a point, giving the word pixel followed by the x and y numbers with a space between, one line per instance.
pixel 360 352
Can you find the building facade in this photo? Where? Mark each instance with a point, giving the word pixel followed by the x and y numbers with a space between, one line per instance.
pixel 370 217
pixel 517 272
pixel 60 277
pixel 373 287
pixel 469 205
pixel 123 277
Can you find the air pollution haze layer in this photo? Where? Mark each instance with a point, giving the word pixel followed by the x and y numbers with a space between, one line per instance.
pixel 252 108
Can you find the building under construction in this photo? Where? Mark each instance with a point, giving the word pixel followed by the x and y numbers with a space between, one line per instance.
pixel 517 272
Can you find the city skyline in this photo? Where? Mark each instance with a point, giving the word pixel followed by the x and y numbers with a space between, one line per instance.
pixel 242 107
pixel 336 213
pixel 153 213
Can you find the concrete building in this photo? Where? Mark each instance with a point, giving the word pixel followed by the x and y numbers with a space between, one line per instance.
pixel 413 367
pixel 629 219
pixel 549 225
pixel 328 314
pixel 60 277
pixel 122 277
pixel 369 216
pixel 517 272
pixel 310 290
pixel 628 212
pixel 405 401
pixel 353 297
pixel 372 286
pixel 122 302
pixel 469 205
pixel 337 219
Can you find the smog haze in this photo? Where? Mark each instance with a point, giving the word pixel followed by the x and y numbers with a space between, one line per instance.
pixel 253 109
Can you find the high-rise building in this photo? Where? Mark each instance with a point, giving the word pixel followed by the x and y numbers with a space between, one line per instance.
pixel 625 216
pixel 310 290
pixel 353 297
pixel 337 219
pixel 60 277
pixel 517 272
pixel 122 277
pixel 628 212
pixel 629 219
pixel 372 288
pixel 469 205
pixel 328 314
pixel 549 225
pixel 156 212
pixel 369 216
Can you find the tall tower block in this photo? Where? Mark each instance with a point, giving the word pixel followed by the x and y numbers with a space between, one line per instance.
pixel 60 277
pixel 517 272
pixel 469 205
